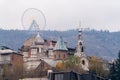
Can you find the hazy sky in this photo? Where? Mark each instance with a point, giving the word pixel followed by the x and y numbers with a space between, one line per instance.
pixel 64 14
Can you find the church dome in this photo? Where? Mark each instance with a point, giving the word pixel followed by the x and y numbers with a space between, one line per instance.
pixel 39 40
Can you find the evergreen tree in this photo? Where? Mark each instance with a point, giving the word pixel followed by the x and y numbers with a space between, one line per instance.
pixel 115 69
pixel 113 72
pixel 118 67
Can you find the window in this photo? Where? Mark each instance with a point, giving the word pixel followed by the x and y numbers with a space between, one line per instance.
pixel 80 43
pixel 82 49
pixel 37 50
pixel 5 58
pixel 83 62
pixel 58 76
pixel 33 51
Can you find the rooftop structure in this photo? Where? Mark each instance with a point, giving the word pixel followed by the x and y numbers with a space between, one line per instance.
pixel 60 45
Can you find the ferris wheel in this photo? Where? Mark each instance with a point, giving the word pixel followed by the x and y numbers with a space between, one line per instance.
pixel 33 20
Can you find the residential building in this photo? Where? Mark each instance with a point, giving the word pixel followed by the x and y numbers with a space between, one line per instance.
pixel 10 59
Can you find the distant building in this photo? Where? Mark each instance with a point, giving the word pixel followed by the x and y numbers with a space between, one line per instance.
pixel 10 58
pixel 37 48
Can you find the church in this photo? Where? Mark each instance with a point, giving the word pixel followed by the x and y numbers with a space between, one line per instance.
pixel 36 50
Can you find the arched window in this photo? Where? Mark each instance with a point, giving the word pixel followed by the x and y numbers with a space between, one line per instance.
pixel 37 50
pixel 83 62
pixel 80 43
pixel 82 49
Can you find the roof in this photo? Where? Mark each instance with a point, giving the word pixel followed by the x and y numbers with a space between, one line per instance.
pixel 60 45
pixel 32 39
pixel 29 41
pixel 52 62
pixel 4 50
pixel 4 47
pixel 39 39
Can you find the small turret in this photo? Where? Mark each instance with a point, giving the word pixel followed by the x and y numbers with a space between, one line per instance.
pixel 39 40
pixel 60 50
pixel 60 45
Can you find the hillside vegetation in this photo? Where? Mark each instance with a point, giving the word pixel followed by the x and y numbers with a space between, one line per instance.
pixel 103 44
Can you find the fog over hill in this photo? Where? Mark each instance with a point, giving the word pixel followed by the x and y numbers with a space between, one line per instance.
pixel 104 44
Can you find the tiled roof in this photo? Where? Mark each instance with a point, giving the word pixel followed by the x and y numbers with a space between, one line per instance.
pixel 60 45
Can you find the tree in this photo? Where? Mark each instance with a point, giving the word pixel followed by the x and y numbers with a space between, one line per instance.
pixel 115 69
pixel 112 74
pixel 60 66
pixel 118 67
pixel 96 66
pixel 72 63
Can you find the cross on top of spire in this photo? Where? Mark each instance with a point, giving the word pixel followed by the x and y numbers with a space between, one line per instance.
pixel 80 28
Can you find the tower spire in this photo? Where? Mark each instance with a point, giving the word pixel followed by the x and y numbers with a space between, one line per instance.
pixel 80 32
pixel 80 48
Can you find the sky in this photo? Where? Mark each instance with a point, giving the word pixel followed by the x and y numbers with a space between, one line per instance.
pixel 64 14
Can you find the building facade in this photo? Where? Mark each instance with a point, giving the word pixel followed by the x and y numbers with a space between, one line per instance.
pixel 37 48
pixel 11 60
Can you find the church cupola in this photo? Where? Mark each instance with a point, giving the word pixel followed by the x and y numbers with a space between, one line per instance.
pixel 39 40
pixel 60 45
pixel 60 50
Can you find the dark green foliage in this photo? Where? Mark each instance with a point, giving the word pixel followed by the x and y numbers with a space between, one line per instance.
pixel 118 67
pixel 113 72
pixel 115 69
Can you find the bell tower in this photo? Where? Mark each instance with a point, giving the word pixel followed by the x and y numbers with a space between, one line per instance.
pixel 80 52
pixel 80 48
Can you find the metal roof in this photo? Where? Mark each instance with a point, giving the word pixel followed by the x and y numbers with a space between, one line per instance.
pixel 60 45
